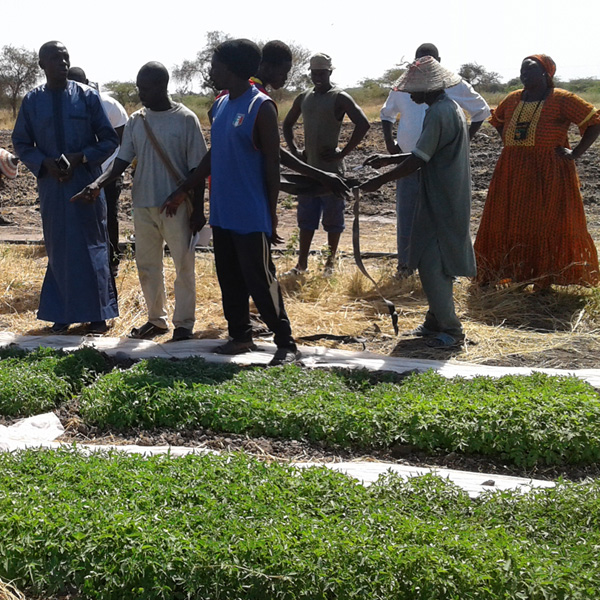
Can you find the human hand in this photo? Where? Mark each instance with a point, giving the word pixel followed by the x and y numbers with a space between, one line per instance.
pixel 299 154
pixel 392 147
pixel 336 185
pixel 53 169
pixel 173 202
pixel 376 161
pixel 197 220
pixel 87 195
pixel 276 238
pixel 565 153
pixel 332 154
pixel 371 185
pixel 74 159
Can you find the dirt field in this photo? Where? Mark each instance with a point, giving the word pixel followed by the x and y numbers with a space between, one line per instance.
pixel 554 331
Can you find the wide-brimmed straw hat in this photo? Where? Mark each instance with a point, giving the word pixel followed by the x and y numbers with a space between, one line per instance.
pixel 8 164
pixel 426 75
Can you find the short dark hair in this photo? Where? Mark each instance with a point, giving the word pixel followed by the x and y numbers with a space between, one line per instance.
pixel 276 52
pixel 242 57
pixel 155 71
pixel 77 74
pixel 428 49
pixel 45 48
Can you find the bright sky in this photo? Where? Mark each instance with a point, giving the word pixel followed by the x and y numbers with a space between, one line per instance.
pixel 114 39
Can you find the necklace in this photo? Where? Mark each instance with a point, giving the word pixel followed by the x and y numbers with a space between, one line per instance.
pixel 522 127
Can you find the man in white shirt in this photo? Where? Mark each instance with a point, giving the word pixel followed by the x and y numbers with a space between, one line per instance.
pixel 410 125
pixel 117 115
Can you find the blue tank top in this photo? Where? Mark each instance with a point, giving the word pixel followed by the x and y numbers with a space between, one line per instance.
pixel 238 195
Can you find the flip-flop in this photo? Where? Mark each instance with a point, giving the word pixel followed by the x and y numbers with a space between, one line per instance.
pixel 295 272
pixel 443 341
pixel 420 331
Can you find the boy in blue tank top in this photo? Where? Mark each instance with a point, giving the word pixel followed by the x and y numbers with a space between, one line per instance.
pixel 244 166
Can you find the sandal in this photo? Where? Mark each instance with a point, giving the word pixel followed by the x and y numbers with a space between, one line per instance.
pixel 235 347
pixel 444 341
pixel 420 331
pixel 147 331
pixel 295 272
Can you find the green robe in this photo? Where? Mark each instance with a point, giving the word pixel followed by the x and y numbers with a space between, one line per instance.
pixel 444 212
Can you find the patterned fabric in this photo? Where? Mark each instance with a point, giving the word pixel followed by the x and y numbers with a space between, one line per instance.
pixel 533 225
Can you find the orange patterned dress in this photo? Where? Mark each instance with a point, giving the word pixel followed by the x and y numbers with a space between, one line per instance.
pixel 533 226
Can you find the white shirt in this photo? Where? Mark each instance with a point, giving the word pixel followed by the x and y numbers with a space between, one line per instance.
pixel 412 114
pixel 117 116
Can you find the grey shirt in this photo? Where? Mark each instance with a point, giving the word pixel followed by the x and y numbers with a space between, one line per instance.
pixel 321 129
pixel 444 212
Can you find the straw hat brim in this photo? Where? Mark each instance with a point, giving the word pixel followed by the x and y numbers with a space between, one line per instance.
pixel 7 167
pixel 426 75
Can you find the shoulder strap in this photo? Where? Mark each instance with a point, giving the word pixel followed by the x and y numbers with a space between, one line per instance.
pixel 159 149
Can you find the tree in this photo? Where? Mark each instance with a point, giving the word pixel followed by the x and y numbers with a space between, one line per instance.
pixel 480 78
pixel 124 92
pixel 298 78
pixel 198 69
pixel 19 72
pixel 387 80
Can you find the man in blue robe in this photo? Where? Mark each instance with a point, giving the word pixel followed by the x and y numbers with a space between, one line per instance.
pixel 65 120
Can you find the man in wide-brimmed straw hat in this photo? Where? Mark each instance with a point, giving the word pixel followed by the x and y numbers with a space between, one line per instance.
pixel 9 167
pixel 441 247
pixel 409 116
pixel 9 164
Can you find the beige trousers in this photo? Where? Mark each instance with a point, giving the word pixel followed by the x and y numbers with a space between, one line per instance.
pixel 152 230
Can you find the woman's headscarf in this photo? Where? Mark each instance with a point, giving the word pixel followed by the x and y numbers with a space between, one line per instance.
pixel 547 64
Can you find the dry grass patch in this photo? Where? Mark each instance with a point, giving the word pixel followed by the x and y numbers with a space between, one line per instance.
pixel 8 592
pixel 511 326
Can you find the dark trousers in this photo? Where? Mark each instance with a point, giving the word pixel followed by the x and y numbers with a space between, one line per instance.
pixel 112 191
pixel 245 269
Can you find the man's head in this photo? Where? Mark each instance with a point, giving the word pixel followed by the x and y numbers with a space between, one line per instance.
pixel 427 50
pixel 55 62
pixel 77 74
pixel 152 82
pixel 275 64
pixel 320 72
pixel 234 60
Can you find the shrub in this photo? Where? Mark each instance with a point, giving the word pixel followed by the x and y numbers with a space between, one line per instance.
pixel 523 420
pixel 38 381
pixel 116 526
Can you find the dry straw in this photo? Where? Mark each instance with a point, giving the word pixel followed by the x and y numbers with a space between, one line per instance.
pixel 9 592
pixel 506 326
